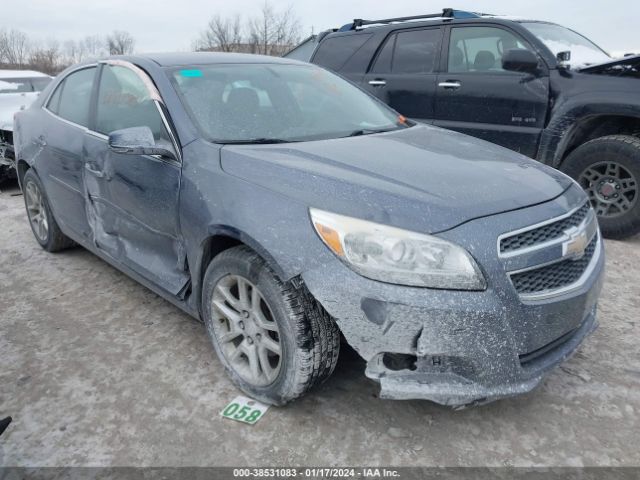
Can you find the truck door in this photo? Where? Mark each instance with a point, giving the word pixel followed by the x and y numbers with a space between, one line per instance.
pixel 132 200
pixel 403 74
pixel 478 97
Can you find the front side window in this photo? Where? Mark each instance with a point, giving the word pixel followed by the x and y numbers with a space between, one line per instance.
pixel 72 98
pixel 258 102
pixel 480 49
pixel 125 102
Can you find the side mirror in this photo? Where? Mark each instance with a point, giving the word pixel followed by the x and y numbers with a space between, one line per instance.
pixel 520 60
pixel 137 141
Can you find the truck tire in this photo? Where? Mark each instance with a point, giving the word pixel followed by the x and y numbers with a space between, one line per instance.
pixel 43 224
pixel 608 168
pixel 273 338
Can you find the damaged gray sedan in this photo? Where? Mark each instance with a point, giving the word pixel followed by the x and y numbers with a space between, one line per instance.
pixel 283 206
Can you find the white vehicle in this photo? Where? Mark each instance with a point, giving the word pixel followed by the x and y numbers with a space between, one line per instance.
pixel 18 89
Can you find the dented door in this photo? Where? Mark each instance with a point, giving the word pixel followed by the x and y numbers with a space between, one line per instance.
pixel 132 200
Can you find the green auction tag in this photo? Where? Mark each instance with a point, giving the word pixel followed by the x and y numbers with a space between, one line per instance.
pixel 245 410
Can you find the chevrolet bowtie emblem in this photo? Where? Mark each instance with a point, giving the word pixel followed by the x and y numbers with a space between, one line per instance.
pixel 576 245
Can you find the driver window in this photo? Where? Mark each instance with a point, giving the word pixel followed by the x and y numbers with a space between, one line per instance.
pixel 124 102
pixel 480 49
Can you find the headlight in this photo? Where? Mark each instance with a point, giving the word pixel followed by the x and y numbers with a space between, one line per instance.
pixel 398 256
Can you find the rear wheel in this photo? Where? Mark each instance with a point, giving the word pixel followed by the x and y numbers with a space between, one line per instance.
pixel 608 169
pixel 275 341
pixel 43 225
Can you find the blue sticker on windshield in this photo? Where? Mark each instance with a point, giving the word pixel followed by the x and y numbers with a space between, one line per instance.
pixel 191 73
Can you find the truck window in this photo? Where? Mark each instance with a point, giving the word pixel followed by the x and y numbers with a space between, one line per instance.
pixel 413 51
pixel 334 52
pixel 480 49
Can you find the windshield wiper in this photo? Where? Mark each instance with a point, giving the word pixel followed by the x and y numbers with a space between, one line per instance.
pixel 370 131
pixel 255 141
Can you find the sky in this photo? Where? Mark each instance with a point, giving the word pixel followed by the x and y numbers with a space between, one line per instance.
pixel 172 26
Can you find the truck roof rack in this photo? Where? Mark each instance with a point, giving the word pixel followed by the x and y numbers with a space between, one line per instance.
pixel 447 13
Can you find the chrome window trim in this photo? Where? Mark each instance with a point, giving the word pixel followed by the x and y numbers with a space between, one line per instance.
pixel 540 246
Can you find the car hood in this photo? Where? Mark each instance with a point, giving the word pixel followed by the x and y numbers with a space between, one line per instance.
pixel 422 178
pixel 621 67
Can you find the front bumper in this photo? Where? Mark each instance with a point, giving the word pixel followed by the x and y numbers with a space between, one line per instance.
pixel 460 347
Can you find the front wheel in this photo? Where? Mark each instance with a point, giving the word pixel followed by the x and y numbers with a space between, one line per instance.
pixel 608 169
pixel 275 341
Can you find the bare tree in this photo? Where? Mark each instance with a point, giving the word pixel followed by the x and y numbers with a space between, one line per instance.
pixel 47 58
pixel 94 46
pixel 221 34
pixel 120 42
pixel 14 47
pixel 74 51
pixel 272 32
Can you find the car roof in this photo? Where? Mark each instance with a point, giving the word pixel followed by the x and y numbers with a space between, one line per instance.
pixel 21 74
pixel 206 58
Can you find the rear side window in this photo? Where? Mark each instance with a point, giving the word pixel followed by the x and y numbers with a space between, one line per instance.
pixel 480 49
pixel 15 85
pixel 75 96
pixel 334 52
pixel 54 101
pixel 413 51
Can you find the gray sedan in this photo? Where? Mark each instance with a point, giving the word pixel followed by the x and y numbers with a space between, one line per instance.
pixel 283 207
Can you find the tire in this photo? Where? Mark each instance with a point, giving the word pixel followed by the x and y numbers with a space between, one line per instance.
pixel 50 237
pixel 308 338
pixel 608 168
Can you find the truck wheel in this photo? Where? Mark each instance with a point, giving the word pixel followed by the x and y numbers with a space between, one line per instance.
pixel 274 340
pixel 43 225
pixel 608 168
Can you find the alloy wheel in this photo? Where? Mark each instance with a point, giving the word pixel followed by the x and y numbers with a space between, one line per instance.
pixel 247 334
pixel 36 211
pixel 612 189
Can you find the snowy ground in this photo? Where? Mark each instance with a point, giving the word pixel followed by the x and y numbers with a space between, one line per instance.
pixel 97 370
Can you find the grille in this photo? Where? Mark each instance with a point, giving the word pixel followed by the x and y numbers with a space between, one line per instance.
pixel 543 234
pixel 554 276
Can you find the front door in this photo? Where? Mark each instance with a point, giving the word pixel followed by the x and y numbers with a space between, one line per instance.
pixel 132 200
pixel 403 72
pixel 478 97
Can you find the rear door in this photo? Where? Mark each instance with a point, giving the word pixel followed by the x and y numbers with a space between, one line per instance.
pixel 477 96
pixel 403 73
pixel 61 159
pixel 132 200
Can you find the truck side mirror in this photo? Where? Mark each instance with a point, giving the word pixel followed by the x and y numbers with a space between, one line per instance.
pixel 520 60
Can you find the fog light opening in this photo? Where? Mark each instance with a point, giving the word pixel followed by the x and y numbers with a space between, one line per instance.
pixel 399 361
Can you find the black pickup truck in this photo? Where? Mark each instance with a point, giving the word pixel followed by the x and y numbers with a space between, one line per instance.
pixel 535 87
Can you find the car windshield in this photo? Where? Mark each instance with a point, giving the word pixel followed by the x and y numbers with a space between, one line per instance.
pixel 273 103
pixel 560 39
pixel 23 85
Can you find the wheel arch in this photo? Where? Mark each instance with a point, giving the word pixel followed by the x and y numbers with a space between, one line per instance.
pixel 597 126
pixel 219 239
pixel 22 166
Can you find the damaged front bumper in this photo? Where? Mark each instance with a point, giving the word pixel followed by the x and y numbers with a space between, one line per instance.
pixel 461 347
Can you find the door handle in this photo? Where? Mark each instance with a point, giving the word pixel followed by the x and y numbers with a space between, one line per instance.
pixel 96 173
pixel 40 141
pixel 377 83
pixel 450 84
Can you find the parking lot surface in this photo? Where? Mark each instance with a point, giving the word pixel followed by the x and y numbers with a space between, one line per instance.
pixel 96 370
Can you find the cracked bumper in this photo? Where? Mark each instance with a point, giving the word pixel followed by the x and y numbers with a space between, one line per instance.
pixel 452 347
